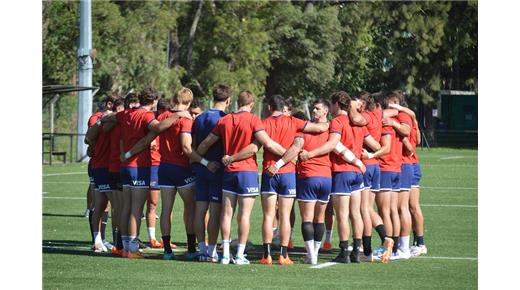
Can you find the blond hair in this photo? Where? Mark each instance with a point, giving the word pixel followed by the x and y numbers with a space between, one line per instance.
pixel 183 96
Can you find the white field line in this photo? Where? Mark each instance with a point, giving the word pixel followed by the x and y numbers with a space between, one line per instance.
pixel 64 197
pixel 320 266
pixel 68 246
pixel 65 173
pixel 44 192
pixel 451 157
pixel 450 205
pixel 67 182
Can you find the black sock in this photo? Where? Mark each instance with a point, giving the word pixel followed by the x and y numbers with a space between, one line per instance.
pixel 319 230
pixel 167 246
pixel 90 214
pixel 114 237
pixel 104 220
pixel 191 243
pixel 380 229
pixel 414 239
pixel 420 240
pixel 267 249
pixel 343 245
pixel 367 245
pixel 119 240
pixel 396 241
pixel 307 231
pixel 357 245
pixel 284 251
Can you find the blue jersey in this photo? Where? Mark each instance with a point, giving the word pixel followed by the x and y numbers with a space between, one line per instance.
pixel 202 126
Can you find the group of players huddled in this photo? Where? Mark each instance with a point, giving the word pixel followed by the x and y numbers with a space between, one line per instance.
pixel 365 154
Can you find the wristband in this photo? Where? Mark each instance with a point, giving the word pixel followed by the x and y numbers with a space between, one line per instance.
pixel 339 148
pixel 128 155
pixel 204 162
pixel 370 155
pixel 358 163
pixel 279 164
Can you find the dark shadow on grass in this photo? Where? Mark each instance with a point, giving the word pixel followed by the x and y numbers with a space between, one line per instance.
pixel 64 215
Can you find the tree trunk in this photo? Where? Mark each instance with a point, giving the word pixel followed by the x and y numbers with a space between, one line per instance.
pixel 191 36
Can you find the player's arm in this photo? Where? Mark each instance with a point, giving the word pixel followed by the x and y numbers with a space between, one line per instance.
pixel 311 127
pixel 403 109
pixel 418 132
pixel 142 144
pixel 186 139
pixel 407 145
pixel 348 156
pixel 355 116
pixel 91 135
pixel 159 127
pixel 385 148
pixel 245 153
pixel 371 143
pixel 289 155
pixel 388 113
pixel 401 128
pixel 331 143
pixel 207 143
pixel 269 143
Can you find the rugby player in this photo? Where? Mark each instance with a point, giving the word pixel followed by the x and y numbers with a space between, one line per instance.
pixel 195 109
pixel 240 180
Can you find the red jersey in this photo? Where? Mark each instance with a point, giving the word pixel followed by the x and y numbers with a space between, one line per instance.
pixel 115 152
pixel 134 126
pixel 352 137
pixel 374 126
pixel 413 140
pixel 101 149
pixel 237 131
pixel 93 119
pixel 154 146
pixel 282 129
pixel 319 165
pixel 392 161
pixel 170 146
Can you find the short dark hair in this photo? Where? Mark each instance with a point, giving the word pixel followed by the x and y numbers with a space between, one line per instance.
pixel 117 102
pixel 245 98
pixel 221 93
pixel 342 98
pixel 164 104
pixel 147 96
pixel 130 98
pixel 324 102
pixel 196 104
pixel 276 102
pixel 368 99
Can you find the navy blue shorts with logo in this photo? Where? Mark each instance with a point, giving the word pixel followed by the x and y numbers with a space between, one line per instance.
pixel 346 182
pixel 115 181
pixel 390 181
pixel 372 177
pixel 171 175
pixel 315 188
pixel 137 177
pixel 209 185
pixel 417 174
pixel 101 179
pixel 154 177
pixel 406 177
pixel 283 184
pixel 242 183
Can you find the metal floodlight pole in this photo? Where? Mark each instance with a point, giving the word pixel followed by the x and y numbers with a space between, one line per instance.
pixel 85 74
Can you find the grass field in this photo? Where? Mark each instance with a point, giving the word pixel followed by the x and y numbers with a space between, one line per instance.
pixel 448 194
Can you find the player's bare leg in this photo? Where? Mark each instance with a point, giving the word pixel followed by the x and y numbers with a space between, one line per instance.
pixel 165 220
pixel 307 215
pixel 188 197
pixel 245 206
pixel 269 217
pixel 201 209
pixel 329 227
pixel 406 222
pixel 229 202
pixel 319 227
pixel 357 225
pixel 417 222
pixel 383 200
pixel 213 227
pixel 139 196
pixel 100 203
pixel 341 205
pixel 151 206
pixel 124 217
pixel 396 220
pixel 285 205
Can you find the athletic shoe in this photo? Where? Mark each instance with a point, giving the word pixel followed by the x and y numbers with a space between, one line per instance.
pixel 314 260
pixel 395 256
pixel 108 245
pixel 266 261
pixel 387 254
pixel 168 256
pixel 241 261
pixel 354 257
pixel 365 258
pixel 342 258
pixel 143 217
pixel 226 260
pixel 86 213
pixel 378 252
pixel 192 256
pixel 172 245
pixel 100 248
pixel 285 261
pixel 154 244
pixel 327 246
pixel 290 246
pixel 141 244
pixel 135 255
pixel 418 251
pixel 404 254
pixel 213 259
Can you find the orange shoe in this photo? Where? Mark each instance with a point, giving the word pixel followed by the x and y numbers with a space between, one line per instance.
pixel 285 261
pixel 134 255
pixel 124 253
pixel 387 245
pixel 267 261
pixel 172 245
pixel 117 252
pixel 290 246
pixel 327 246
pixel 154 244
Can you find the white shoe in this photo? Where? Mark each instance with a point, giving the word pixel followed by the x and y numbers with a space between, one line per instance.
pixel 395 256
pixel 86 213
pixel 309 260
pixel 108 245
pixel 226 260
pixel 314 260
pixel 213 259
pixel 100 248
pixel 416 251
pixel 404 254
pixel 241 261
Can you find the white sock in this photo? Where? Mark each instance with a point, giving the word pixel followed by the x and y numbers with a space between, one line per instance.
pixel 225 246
pixel 202 248
pixel 291 236
pixel 211 250
pixel 133 245
pixel 404 243
pixel 317 246
pixel 240 250
pixel 327 235
pixel 151 234
pixel 97 238
pixel 309 245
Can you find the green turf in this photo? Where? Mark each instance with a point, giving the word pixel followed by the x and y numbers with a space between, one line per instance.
pixel 449 196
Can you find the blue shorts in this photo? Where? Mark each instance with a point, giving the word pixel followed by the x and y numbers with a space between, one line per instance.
pixel 417 174
pixel 406 177
pixel 90 174
pixel 209 185
pixel 346 182
pixel 390 181
pixel 154 177
pixel 101 180
pixel 314 188
pixel 283 184
pixel 137 177
pixel 372 177
pixel 242 183
pixel 115 181
pixel 171 176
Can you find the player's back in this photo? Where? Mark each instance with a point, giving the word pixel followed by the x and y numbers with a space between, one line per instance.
pixel 351 137
pixel 202 126
pixel 319 165
pixel 392 161
pixel 134 126
pixel 170 146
